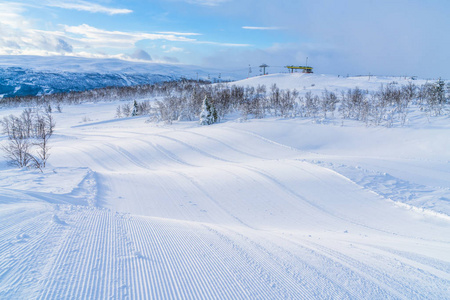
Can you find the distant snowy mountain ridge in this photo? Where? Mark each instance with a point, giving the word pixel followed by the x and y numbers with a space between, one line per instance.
pixel 16 81
pixel 37 75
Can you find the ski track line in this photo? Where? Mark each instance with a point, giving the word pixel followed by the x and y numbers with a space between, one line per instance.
pixel 267 140
pixel 130 157
pixel 207 244
pixel 195 149
pixel 361 188
pixel 97 162
pixel 434 263
pixel 313 205
pixel 26 226
pixel 9 223
pixel 291 192
pixel 71 258
pixel 54 274
pixel 51 274
pixel 354 282
pixel 316 274
pixel 424 277
pixel 223 144
pixel 171 289
pixel 320 280
pixel 27 257
pixel 179 257
pixel 402 289
pixel 12 214
pixel 304 260
pixel 270 271
pixel 264 272
pixel 168 154
pixel 248 276
pixel 424 211
pixel 254 169
pixel 374 280
pixel 281 263
pixel 195 183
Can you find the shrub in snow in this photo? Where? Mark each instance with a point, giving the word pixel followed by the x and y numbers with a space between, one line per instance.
pixel 28 137
pixel 137 109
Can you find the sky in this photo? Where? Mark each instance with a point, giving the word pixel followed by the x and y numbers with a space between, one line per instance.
pixel 346 37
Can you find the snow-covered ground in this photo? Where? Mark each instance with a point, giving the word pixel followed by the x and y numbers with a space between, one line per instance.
pixel 262 209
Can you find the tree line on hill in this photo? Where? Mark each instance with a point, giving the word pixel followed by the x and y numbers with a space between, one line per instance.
pixel 184 100
pixel 388 106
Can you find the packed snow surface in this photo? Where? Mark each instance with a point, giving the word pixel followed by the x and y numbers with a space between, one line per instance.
pixel 262 209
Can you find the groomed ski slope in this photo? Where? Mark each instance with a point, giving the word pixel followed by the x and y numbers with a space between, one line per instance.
pixel 264 209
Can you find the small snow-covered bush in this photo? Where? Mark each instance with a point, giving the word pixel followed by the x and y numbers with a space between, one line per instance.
pixel 28 136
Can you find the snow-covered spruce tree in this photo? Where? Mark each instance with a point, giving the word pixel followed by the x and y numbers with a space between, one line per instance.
pixel 208 114
pixel 440 91
pixel 215 115
pixel 135 111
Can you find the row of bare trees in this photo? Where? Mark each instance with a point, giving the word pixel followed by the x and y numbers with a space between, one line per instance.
pixel 388 106
pixel 112 93
pixel 182 100
pixel 28 138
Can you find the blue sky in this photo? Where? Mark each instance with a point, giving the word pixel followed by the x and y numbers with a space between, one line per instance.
pixel 396 37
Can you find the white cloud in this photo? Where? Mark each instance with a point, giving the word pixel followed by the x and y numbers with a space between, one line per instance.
pixel 179 33
pixel 88 6
pixel 11 15
pixel 85 35
pixel 173 49
pixel 18 36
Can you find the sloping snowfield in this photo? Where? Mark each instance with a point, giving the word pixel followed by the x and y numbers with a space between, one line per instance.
pixel 264 209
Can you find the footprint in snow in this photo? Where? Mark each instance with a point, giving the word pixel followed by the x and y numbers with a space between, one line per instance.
pixel 57 220
pixel 23 237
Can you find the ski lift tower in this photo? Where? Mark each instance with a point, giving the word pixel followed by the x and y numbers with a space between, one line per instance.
pixel 305 69
pixel 264 66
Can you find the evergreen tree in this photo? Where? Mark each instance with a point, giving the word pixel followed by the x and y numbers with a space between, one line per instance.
pixel 135 111
pixel 440 91
pixel 208 114
pixel 214 114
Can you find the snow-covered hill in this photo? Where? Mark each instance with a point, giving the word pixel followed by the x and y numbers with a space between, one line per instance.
pixel 317 83
pixel 262 209
pixel 35 75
